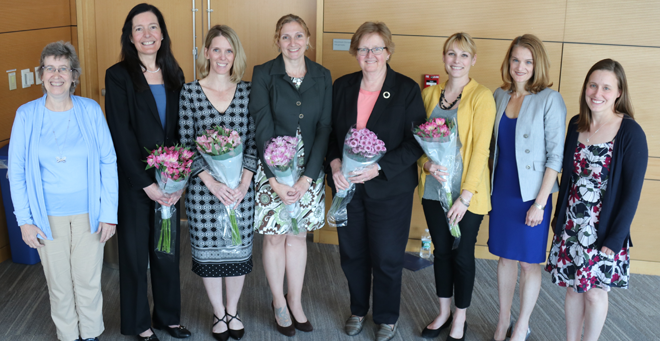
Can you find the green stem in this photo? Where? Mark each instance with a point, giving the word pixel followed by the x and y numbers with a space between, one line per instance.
pixel 235 233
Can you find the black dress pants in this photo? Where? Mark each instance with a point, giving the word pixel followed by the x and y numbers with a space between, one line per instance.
pixel 454 269
pixel 373 244
pixel 135 233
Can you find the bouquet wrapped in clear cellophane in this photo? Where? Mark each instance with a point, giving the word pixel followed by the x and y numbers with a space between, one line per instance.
pixel 438 137
pixel 222 150
pixel 172 171
pixel 362 148
pixel 280 156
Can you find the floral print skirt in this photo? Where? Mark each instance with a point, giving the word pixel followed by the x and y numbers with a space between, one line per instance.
pixel 574 259
pixel 270 213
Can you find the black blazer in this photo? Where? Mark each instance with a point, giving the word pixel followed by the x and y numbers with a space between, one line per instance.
pixel 398 108
pixel 278 108
pixel 135 125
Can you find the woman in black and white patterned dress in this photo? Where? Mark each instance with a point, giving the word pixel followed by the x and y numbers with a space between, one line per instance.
pixel 221 99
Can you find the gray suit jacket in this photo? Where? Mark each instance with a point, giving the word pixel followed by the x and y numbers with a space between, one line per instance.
pixel 279 108
pixel 540 131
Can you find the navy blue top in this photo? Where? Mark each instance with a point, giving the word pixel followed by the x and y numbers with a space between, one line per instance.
pixel 161 100
pixel 629 160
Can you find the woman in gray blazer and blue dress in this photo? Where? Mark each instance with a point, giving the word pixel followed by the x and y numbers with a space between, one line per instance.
pixel 527 156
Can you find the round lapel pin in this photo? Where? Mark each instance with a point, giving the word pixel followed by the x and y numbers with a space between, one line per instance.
pixel 386 94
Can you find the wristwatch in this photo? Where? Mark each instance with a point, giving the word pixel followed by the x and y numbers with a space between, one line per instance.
pixel 309 180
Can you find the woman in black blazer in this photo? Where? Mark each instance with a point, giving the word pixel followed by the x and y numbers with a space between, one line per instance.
pixel 374 242
pixel 291 96
pixel 142 106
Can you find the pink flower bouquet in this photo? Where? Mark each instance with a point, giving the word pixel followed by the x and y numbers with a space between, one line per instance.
pixel 172 170
pixel 280 156
pixel 362 148
pixel 439 139
pixel 222 149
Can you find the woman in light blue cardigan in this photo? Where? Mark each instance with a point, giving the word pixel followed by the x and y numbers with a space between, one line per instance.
pixel 527 156
pixel 63 178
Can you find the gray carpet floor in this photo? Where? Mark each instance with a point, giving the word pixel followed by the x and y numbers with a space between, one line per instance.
pixel 634 314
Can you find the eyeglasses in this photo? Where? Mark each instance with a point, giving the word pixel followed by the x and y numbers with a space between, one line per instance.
pixel 363 51
pixel 63 70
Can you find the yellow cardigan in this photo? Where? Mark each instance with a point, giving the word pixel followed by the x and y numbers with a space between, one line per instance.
pixel 476 117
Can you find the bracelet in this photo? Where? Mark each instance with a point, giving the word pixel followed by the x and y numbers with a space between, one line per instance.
pixel 309 181
pixel 539 206
pixel 463 201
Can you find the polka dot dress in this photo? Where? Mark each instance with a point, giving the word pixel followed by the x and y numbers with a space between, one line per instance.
pixel 213 254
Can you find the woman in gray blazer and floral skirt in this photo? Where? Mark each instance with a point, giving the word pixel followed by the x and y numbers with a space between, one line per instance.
pixel 529 141
pixel 291 96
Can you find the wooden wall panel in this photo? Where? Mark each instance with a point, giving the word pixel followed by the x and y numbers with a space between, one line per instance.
pixel 410 61
pixel 644 230
pixel 484 19
pixel 257 33
pixel 653 169
pixel 110 16
pixel 640 64
pixel 24 54
pixel 630 22
pixel 34 14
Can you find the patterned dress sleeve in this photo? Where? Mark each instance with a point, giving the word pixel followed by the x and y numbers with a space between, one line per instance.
pixel 187 129
pixel 250 150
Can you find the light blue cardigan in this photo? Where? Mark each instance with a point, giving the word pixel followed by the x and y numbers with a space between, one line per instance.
pixel 25 176
pixel 539 138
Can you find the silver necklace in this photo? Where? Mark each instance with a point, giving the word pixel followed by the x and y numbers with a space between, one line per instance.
pixel 595 132
pixel 297 81
pixel 60 159
pixel 147 70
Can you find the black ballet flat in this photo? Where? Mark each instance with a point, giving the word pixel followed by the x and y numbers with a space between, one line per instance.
pixel 428 333
pixel 235 334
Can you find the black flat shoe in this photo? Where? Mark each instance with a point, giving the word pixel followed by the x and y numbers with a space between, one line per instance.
pixel 235 334
pixel 289 330
pixel 303 327
pixel 433 333
pixel 152 337
pixel 179 332
pixel 449 338
pixel 224 336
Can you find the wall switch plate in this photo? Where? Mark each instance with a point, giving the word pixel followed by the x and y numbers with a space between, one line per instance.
pixel 12 80
pixel 36 75
pixel 26 80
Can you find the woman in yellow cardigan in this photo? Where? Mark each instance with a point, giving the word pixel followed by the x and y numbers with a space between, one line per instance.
pixel 474 107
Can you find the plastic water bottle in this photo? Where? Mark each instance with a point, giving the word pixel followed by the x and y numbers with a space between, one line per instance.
pixel 425 250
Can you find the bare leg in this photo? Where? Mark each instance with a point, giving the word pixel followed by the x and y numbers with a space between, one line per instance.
pixel 507 275
pixel 274 259
pixel 234 288
pixel 595 313
pixel 458 323
pixel 213 287
pixel 530 286
pixel 296 261
pixel 574 311
pixel 445 311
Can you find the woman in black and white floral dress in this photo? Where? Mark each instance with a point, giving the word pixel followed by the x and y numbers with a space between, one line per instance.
pixel 220 99
pixel 605 158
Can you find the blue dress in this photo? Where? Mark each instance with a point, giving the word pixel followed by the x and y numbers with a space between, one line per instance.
pixel 508 236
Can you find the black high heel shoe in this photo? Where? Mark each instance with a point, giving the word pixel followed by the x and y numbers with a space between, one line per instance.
pixel 303 327
pixel 428 333
pixel 235 334
pixel 289 330
pixel 224 336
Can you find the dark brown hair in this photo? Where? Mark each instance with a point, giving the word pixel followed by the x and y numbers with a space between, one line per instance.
pixel 623 104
